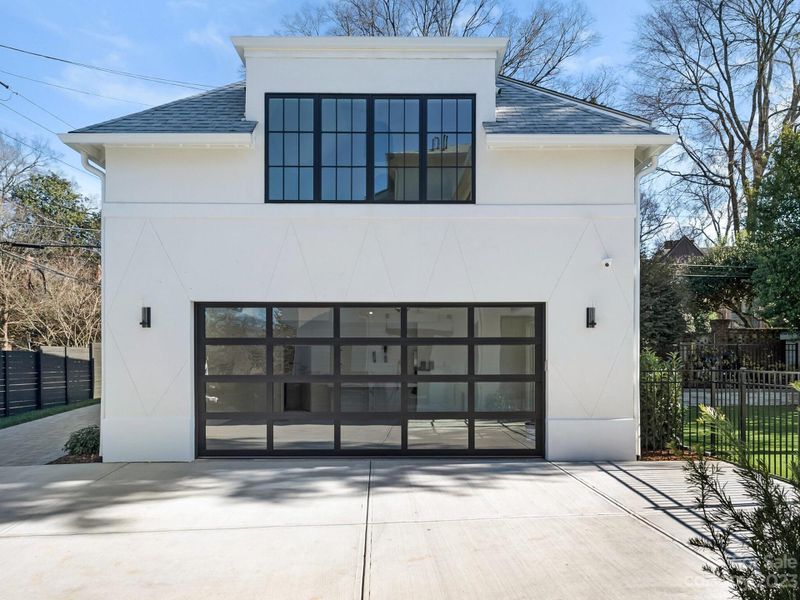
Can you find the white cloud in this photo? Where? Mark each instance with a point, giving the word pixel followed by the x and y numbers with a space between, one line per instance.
pixel 116 86
pixel 208 37
pixel 115 40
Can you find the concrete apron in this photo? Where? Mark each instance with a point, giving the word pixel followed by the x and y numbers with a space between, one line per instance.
pixel 285 528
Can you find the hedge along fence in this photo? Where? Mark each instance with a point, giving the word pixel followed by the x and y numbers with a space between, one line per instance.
pixel 51 376
pixel 661 392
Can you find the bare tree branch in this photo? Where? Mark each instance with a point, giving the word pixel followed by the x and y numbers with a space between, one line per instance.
pixel 723 74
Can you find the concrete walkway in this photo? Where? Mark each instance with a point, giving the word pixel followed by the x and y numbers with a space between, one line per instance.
pixel 41 441
pixel 418 529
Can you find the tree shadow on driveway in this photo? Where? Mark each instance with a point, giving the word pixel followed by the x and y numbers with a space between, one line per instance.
pixel 99 498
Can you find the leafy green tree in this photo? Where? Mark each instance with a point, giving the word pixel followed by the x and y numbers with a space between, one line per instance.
pixel 777 274
pixel 49 199
pixel 722 278
pixel 662 305
pixel 49 260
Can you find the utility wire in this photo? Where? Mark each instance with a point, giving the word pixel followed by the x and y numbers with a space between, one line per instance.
pixel 67 227
pixel 43 245
pixel 29 119
pixel 51 157
pixel 47 268
pixel 39 106
pixel 162 80
pixel 72 89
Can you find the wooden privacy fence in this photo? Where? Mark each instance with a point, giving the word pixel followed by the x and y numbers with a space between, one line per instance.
pixel 51 376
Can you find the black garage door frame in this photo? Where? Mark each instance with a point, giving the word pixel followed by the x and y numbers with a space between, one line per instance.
pixel 535 417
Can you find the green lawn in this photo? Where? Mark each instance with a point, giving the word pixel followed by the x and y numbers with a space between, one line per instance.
pixel 773 434
pixel 33 415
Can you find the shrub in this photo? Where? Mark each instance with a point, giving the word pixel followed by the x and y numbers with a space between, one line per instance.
pixel 758 546
pixel 84 441
pixel 661 392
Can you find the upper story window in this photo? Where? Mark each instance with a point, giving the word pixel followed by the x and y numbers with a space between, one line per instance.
pixel 325 148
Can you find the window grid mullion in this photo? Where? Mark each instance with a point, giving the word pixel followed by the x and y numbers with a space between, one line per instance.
pixel 423 150
pixel 370 164
pixel 317 149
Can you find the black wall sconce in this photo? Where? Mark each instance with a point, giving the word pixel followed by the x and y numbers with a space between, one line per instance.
pixel 590 320
pixel 145 322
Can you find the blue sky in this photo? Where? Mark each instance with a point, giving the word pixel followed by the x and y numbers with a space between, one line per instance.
pixel 184 40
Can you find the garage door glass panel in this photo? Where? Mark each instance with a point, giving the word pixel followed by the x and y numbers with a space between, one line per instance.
pixel 304 322
pixel 371 360
pixel 373 322
pixel 508 321
pixel 508 359
pixel 378 435
pixel 438 397
pixel 370 397
pixel 236 360
pixel 438 434
pixel 437 360
pixel 291 435
pixel 302 360
pixel 225 322
pixel 494 434
pixel 235 434
pixel 504 396
pixel 236 397
pixel 434 322
pixel 295 397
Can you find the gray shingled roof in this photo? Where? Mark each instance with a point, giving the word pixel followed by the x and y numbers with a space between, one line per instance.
pixel 528 109
pixel 521 108
pixel 220 110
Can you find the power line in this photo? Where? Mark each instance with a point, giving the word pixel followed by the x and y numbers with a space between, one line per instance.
pixel 702 266
pixel 72 89
pixel 51 157
pixel 43 245
pixel 715 276
pixel 162 80
pixel 28 119
pixel 47 268
pixel 67 227
pixel 39 106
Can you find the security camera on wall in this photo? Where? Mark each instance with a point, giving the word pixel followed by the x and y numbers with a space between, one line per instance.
pixel 608 263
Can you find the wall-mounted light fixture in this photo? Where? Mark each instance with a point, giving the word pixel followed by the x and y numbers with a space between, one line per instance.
pixel 590 320
pixel 145 322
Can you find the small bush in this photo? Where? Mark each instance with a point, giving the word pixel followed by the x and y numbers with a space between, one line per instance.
pixel 661 392
pixel 84 441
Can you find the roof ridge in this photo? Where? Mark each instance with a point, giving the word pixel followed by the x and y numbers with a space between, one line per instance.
pixel 165 105
pixel 582 104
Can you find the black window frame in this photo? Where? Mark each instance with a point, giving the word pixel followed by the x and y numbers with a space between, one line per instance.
pixel 535 415
pixel 370 98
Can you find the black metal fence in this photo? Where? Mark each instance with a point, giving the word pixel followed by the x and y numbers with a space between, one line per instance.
pixel 762 406
pixel 51 376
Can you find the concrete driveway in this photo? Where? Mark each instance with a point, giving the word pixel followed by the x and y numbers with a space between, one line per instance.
pixel 41 441
pixel 349 529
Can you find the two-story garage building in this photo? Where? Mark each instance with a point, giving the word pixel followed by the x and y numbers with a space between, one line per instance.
pixel 370 246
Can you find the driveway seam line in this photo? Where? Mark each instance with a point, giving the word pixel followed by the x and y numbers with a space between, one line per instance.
pixel 109 473
pixel 4 534
pixel 636 516
pixel 366 533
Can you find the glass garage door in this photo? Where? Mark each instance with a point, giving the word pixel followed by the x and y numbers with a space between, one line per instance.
pixel 380 379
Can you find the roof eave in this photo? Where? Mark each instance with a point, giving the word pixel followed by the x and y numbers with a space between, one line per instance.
pixel 399 46
pixel 94 144
pixel 560 140
pixel 646 146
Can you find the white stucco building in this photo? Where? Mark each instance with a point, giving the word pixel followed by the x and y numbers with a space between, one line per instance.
pixel 370 246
